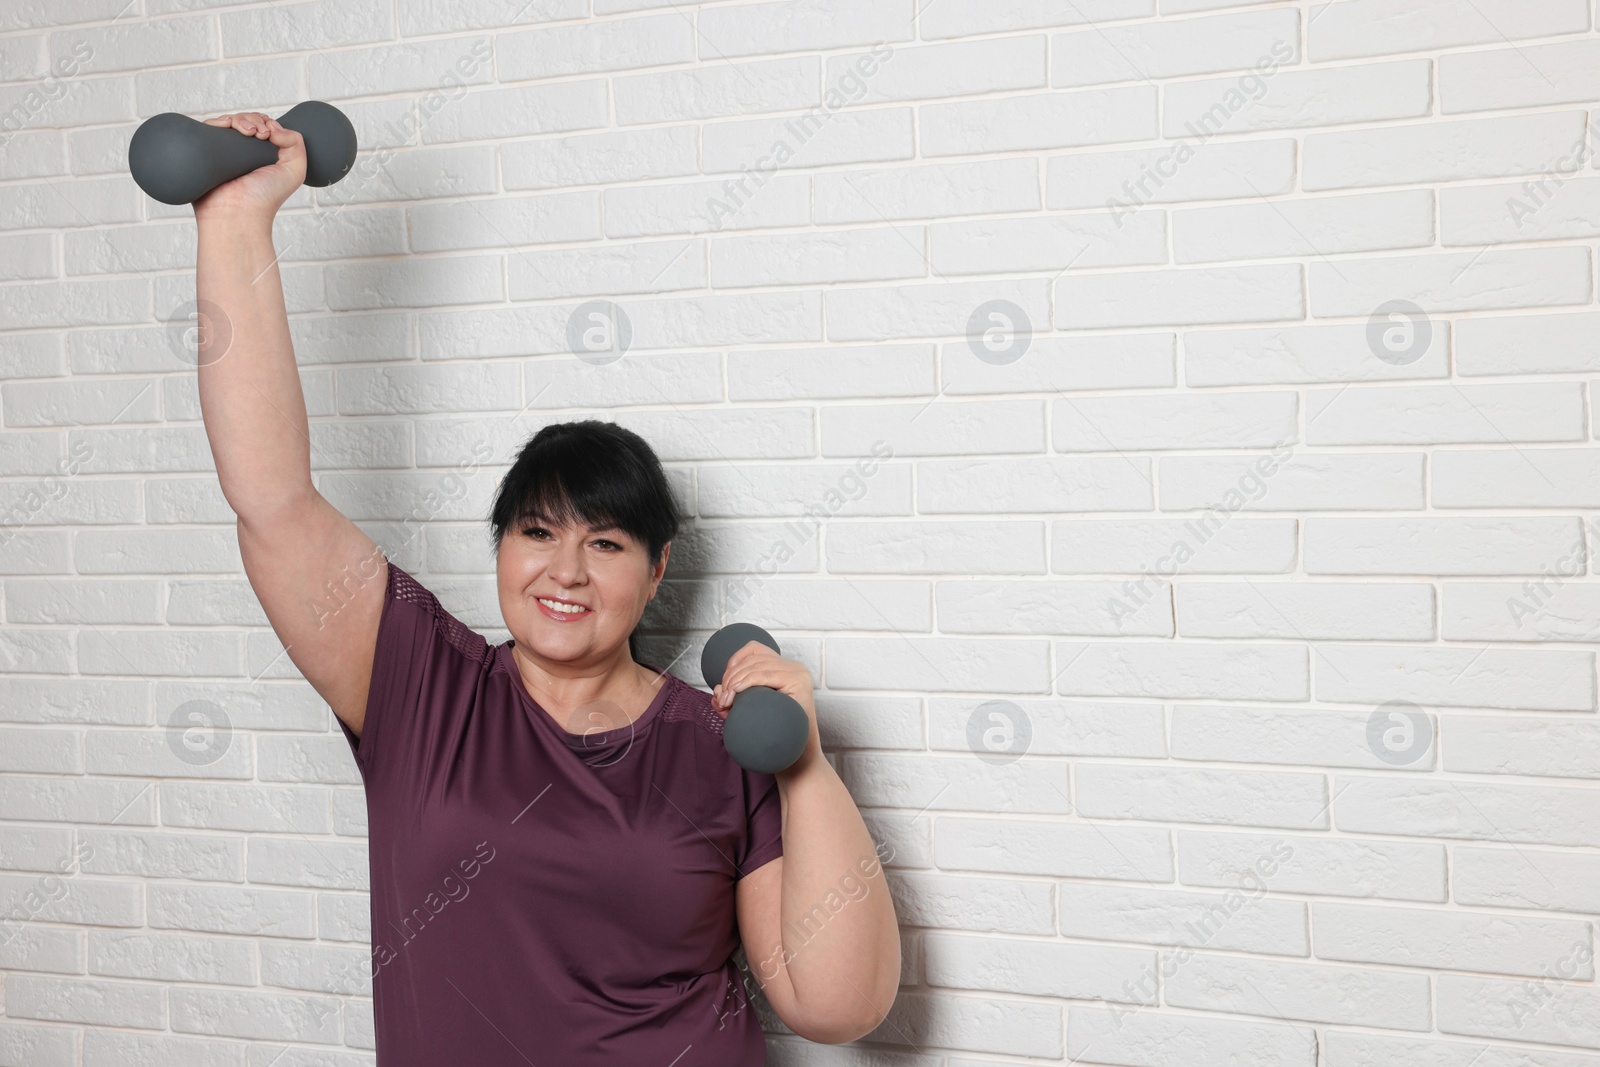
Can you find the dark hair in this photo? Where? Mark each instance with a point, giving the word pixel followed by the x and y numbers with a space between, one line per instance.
pixel 593 473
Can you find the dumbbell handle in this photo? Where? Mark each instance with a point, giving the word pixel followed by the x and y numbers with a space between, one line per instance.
pixel 766 731
pixel 177 160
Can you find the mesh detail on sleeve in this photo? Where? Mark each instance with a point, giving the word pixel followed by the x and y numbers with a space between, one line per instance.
pixel 464 640
pixel 688 704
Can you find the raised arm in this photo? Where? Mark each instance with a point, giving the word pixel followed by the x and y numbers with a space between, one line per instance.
pixel 319 578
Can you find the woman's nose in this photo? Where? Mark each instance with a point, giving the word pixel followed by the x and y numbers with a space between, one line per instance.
pixel 566 563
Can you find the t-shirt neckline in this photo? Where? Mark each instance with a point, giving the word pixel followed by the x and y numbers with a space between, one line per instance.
pixel 595 742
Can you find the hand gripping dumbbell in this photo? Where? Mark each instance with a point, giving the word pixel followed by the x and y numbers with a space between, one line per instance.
pixel 766 731
pixel 177 159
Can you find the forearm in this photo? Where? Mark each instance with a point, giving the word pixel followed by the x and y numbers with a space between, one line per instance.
pixel 250 398
pixel 841 944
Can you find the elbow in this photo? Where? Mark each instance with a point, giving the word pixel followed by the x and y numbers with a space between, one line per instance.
pixel 856 1029
pixel 844 1027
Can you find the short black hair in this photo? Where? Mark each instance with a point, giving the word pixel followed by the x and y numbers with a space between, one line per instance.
pixel 591 473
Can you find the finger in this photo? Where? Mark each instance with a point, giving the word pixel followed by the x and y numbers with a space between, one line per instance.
pixel 742 678
pixel 745 652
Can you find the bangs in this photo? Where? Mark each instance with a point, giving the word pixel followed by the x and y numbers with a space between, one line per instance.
pixel 589 473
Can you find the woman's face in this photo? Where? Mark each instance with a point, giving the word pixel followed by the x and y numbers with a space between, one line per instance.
pixel 544 570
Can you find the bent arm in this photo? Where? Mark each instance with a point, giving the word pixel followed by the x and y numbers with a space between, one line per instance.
pixel 817 923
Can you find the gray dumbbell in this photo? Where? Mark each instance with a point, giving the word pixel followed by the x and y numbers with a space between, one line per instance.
pixel 766 731
pixel 177 159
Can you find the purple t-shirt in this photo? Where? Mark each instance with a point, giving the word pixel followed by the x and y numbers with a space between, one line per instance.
pixel 540 896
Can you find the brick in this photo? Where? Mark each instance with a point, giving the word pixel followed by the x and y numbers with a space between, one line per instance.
pixel 964 428
pixel 1191 296
pixel 1009 965
pixel 1276 735
pixel 590 48
pixel 931 72
pixel 920 192
pixel 1446 414
pixel 1059 364
pixel 1342 866
pixel 960 18
pixel 1167 49
pixel 547 219
pixel 599 158
pixel 957 665
pixel 1437 151
pixel 1550 607
pixel 927 310
pixel 430 16
pixel 1548 1011
pixel 717 91
pixel 1075 608
pixel 1169 546
pixel 1064 727
pixel 880 253
pixel 1155 1039
pixel 1235 921
pixel 1234 420
pixel 1048 484
pixel 1002 246
pixel 1528 344
pixel 1456 941
pixel 1278 99
pixel 701 207
pixel 266 30
pixel 1553 204
pixel 1366 481
pixel 1312 992
pixel 1317 226
pixel 834 372
pixel 1124 181
pixel 1558 73
pixel 1228 797
pixel 1039 122
pixel 1546 477
pixel 935 547
pixel 1417 807
pixel 1454 281
pixel 1359 611
pixel 1544 680
pixel 1437 546
pixel 1352 28
pixel 1555 748
pixel 1525 878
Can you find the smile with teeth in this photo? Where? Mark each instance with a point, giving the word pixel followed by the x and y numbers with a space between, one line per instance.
pixel 562 606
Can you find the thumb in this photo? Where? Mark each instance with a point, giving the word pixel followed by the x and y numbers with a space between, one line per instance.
pixel 284 137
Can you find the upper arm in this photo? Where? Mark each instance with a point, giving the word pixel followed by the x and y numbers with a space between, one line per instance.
pixel 321 582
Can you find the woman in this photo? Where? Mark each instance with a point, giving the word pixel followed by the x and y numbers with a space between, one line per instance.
pixel 563 857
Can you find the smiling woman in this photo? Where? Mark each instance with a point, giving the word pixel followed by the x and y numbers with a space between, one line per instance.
pixel 604 486
pixel 632 856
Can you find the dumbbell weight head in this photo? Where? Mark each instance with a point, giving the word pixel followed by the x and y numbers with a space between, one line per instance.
pixel 176 159
pixel 766 731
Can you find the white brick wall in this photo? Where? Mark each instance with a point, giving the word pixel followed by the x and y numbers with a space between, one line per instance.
pixel 1167 785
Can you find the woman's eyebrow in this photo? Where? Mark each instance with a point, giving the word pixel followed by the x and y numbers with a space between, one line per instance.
pixel 545 520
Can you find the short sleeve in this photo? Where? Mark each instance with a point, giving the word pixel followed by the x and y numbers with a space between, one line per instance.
pixel 420 648
pixel 764 822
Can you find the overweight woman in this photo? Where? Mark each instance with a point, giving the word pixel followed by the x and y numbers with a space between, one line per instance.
pixel 564 859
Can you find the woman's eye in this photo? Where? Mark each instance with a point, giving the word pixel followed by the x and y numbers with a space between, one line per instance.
pixel 534 530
